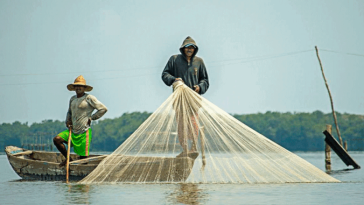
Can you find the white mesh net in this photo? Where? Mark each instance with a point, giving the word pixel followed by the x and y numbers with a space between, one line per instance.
pixel 188 139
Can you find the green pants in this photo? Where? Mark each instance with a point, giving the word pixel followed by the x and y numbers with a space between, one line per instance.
pixel 79 142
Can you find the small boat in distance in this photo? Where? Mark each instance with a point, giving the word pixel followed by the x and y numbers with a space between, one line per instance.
pixel 42 165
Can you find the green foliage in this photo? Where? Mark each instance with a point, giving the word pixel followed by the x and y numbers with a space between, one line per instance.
pixel 303 131
pixel 12 133
pixel 294 131
pixel 109 134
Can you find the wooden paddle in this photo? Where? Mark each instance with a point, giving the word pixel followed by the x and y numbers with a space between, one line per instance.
pixel 68 154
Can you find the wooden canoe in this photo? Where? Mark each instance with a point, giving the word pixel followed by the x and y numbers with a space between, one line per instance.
pixel 41 165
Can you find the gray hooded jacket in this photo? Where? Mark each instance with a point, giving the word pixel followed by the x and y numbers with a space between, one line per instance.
pixel 193 73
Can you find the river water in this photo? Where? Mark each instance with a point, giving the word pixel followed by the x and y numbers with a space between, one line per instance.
pixel 349 191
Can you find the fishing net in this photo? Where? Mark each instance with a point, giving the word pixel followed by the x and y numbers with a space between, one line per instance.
pixel 189 139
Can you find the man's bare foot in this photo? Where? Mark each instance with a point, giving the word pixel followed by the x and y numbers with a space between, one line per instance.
pixel 193 154
pixel 63 163
pixel 182 154
pixel 190 154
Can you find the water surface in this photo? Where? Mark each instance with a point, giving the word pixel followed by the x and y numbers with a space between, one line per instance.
pixel 349 191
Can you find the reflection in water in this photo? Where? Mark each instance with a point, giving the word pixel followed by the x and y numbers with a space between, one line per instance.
pixel 188 194
pixel 78 194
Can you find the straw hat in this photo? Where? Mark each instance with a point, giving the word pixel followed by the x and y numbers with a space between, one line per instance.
pixel 79 81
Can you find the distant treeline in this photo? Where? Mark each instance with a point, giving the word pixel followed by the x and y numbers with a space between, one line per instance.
pixel 294 131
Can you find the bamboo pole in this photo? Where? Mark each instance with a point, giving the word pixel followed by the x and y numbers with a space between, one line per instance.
pixel 68 155
pixel 332 103
pixel 328 151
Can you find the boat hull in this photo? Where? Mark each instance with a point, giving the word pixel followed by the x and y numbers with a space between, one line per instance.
pixel 45 165
pixel 40 165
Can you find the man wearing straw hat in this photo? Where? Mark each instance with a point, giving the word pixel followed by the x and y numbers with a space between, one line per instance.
pixel 79 117
pixel 191 70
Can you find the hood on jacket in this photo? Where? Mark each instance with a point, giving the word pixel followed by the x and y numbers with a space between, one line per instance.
pixel 187 41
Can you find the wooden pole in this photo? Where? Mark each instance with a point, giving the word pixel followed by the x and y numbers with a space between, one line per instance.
pixel 335 145
pixel 68 154
pixel 328 151
pixel 346 145
pixel 332 103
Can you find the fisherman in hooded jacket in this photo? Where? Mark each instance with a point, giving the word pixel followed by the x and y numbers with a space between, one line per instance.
pixel 191 70
pixel 187 67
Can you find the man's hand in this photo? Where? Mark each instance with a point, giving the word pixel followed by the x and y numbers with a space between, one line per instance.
pixel 178 79
pixel 197 88
pixel 69 124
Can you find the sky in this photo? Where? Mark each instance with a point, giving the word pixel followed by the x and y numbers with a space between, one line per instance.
pixel 260 55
